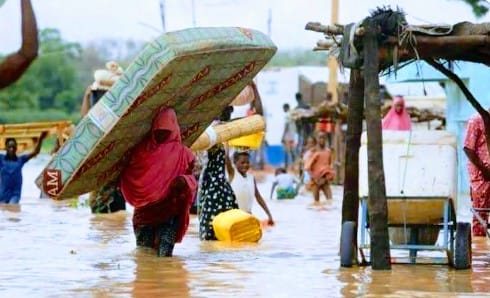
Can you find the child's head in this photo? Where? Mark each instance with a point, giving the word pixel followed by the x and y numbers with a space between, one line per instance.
pixel 242 161
pixel 280 171
pixel 11 146
pixel 285 107
pixel 321 139
pixel 310 142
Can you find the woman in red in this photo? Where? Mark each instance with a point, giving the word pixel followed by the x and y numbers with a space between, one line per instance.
pixel 158 182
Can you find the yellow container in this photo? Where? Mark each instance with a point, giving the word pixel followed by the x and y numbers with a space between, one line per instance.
pixel 252 141
pixel 237 225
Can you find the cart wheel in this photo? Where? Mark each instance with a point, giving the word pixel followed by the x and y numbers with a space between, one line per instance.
pixel 347 243
pixel 462 250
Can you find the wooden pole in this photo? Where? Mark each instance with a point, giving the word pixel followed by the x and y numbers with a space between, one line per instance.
pixel 332 62
pixel 350 203
pixel 378 210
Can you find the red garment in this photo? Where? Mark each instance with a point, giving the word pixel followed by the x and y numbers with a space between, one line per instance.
pixel 480 188
pixel 397 121
pixel 146 181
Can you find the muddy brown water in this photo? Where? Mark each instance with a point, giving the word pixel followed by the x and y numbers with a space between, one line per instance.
pixel 59 249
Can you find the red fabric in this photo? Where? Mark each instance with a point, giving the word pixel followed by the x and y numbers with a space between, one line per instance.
pixel 147 179
pixel 480 188
pixel 325 125
pixel 397 121
pixel 319 165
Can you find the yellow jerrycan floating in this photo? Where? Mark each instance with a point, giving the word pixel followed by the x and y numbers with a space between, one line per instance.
pixel 237 225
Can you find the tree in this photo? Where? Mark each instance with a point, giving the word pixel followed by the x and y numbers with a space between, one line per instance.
pixel 53 73
pixel 480 7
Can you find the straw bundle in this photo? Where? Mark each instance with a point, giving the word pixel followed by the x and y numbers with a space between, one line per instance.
pixel 224 132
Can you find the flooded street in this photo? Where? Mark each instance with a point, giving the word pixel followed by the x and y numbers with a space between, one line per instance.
pixel 53 249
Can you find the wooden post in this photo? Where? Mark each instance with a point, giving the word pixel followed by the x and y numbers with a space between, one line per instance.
pixel 332 62
pixel 378 210
pixel 350 202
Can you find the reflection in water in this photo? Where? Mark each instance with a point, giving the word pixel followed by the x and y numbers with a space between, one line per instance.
pixel 159 277
pixel 63 249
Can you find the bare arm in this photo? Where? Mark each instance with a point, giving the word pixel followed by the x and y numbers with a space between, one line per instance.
pixel 229 165
pixel 17 63
pixel 257 103
pixel 86 102
pixel 37 149
pixel 274 184
pixel 473 157
pixel 262 204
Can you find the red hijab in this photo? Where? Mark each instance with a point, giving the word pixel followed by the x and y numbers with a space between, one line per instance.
pixel 153 166
pixel 397 120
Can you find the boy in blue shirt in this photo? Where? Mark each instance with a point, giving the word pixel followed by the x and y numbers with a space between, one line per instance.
pixel 11 170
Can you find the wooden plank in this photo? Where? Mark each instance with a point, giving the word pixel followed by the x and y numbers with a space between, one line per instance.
pixel 26 134
pixel 415 211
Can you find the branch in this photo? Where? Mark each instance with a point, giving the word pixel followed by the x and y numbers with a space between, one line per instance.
pixel 483 113
pixel 327 29
pixel 451 75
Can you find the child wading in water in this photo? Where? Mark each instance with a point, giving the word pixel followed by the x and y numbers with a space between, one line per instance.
pixel 319 167
pixel 287 185
pixel 11 170
pixel 243 183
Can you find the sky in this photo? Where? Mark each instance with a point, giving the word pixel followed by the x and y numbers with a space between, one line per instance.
pixel 87 20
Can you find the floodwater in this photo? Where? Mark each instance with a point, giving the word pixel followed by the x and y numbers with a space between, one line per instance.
pixel 59 249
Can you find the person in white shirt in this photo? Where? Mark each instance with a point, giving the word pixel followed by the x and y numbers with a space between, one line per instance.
pixel 286 183
pixel 243 183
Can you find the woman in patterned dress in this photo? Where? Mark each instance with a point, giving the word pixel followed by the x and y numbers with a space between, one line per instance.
pixel 216 194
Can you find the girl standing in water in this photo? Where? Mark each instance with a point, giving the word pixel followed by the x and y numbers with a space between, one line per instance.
pixel 243 183
pixel 159 183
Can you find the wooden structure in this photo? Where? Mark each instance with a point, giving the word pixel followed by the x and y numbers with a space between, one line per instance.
pixel 381 42
pixel 27 134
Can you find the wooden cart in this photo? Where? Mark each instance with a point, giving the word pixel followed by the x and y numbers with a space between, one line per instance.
pixel 420 174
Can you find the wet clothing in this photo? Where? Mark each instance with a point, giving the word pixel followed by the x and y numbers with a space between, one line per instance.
pixel 285 186
pixel 216 194
pixel 319 165
pixel 480 188
pixel 158 181
pixel 244 189
pixel 286 193
pixel 11 178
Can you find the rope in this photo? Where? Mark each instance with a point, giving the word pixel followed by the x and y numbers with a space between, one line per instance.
pixel 402 190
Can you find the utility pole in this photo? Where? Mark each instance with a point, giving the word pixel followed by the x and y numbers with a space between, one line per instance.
pixel 269 23
pixel 193 4
pixel 332 63
pixel 162 15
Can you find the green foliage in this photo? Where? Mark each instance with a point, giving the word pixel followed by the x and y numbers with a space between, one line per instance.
pixel 29 115
pixel 298 57
pixel 480 7
pixel 53 86
pixel 52 77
